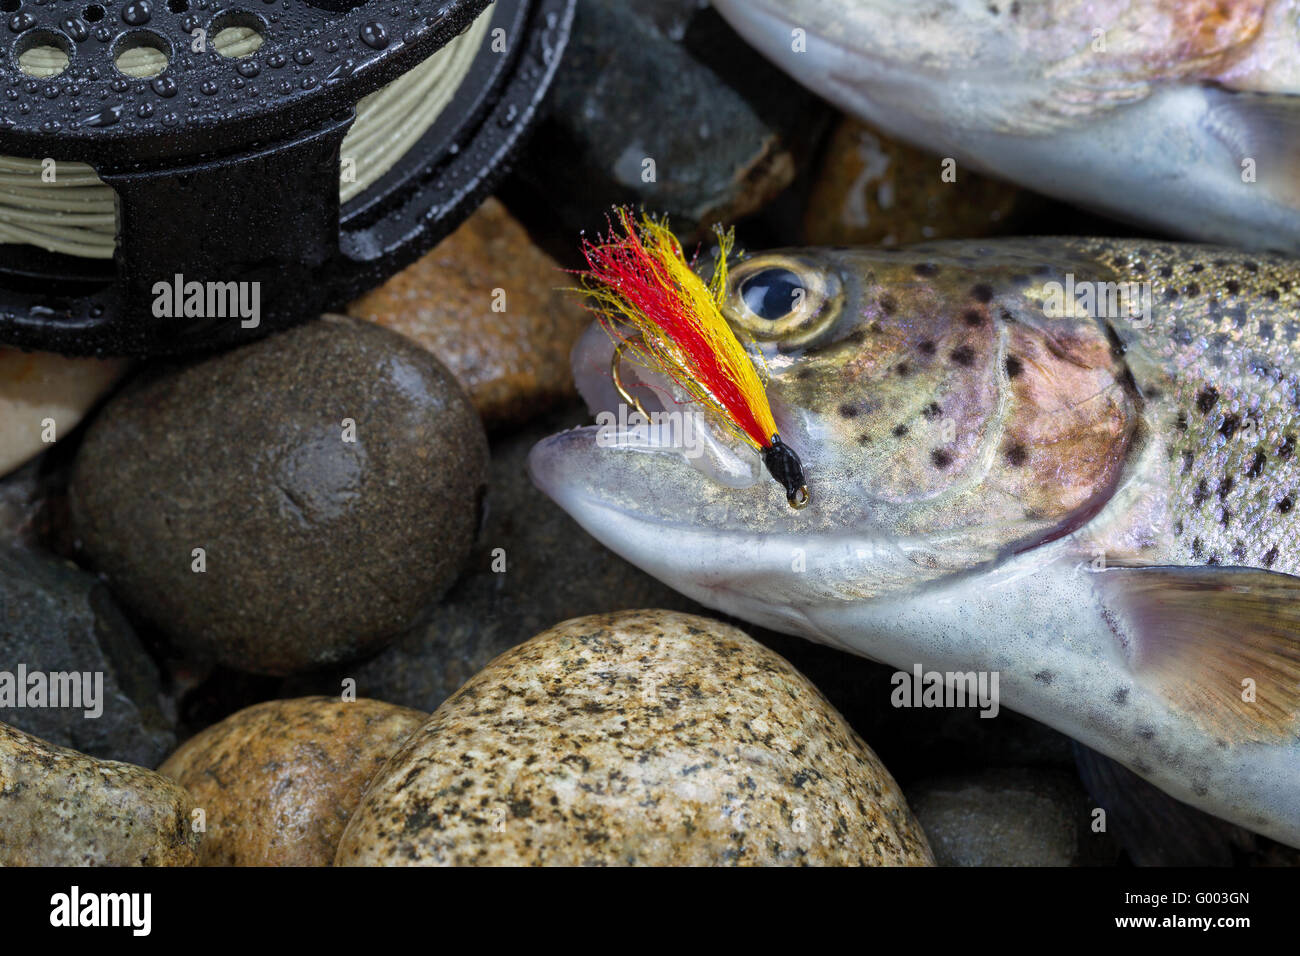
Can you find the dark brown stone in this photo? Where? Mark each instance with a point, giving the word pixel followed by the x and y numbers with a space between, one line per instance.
pixel 317 549
pixel 874 190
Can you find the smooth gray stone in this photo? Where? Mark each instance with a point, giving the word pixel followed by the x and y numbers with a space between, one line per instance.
pixel 726 131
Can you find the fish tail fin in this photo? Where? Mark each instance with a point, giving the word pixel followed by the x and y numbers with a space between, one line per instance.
pixel 1222 644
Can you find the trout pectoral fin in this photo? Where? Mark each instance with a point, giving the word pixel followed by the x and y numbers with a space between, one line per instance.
pixel 1223 644
pixel 1262 131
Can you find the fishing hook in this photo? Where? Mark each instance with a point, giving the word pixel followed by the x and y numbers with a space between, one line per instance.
pixel 618 379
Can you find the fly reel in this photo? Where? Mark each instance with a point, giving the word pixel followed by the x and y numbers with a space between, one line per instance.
pixel 182 175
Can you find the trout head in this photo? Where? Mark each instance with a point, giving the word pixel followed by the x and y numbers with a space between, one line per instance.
pixel 945 422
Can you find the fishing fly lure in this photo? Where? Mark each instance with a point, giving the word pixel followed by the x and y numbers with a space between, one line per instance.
pixel 639 277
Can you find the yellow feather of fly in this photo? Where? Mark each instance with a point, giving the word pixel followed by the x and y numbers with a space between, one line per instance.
pixel 699 316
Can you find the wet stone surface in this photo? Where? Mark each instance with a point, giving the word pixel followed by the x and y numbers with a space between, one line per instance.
pixel 1010 817
pixel 493 308
pixel 331 476
pixel 739 128
pixel 62 637
pixel 43 397
pixel 643 738
pixel 871 189
pixel 279 780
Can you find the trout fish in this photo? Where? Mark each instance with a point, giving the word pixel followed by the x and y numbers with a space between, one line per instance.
pixel 1179 114
pixel 1069 462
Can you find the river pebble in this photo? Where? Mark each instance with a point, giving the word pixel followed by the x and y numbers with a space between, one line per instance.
pixel 278 781
pixel 286 505
pixel 645 737
pixel 63 637
pixel 59 807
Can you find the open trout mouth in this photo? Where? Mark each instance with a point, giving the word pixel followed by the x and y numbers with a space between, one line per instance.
pixel 677 424
pixel 679 468
pixel 683 499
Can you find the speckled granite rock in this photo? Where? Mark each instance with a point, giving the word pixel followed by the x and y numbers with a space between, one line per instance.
pixel 279 780
pixel 647 737
pixel 62 808
pixel 55 619
pixel 514 362
pixel 547 570
pixel 35 386
pixel 1007 818
pixel 874 190
pixel 316 548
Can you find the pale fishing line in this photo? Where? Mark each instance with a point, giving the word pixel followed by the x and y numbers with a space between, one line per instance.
pixel 76 214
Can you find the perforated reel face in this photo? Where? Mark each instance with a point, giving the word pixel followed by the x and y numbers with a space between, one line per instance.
pixel 174 73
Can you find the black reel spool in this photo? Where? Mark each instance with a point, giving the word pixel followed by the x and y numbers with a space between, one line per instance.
pixel 227 170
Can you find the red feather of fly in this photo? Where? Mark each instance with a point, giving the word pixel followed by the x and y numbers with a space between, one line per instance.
pixel 626 265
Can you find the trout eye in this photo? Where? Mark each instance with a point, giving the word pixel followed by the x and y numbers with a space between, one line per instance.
pixel 772 294
pixel 784 299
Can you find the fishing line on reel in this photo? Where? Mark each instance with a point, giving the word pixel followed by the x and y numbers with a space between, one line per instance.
pixel 74 211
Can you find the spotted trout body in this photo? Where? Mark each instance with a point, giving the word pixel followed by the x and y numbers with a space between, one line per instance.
pixel 1222 381
pixel 1069 461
